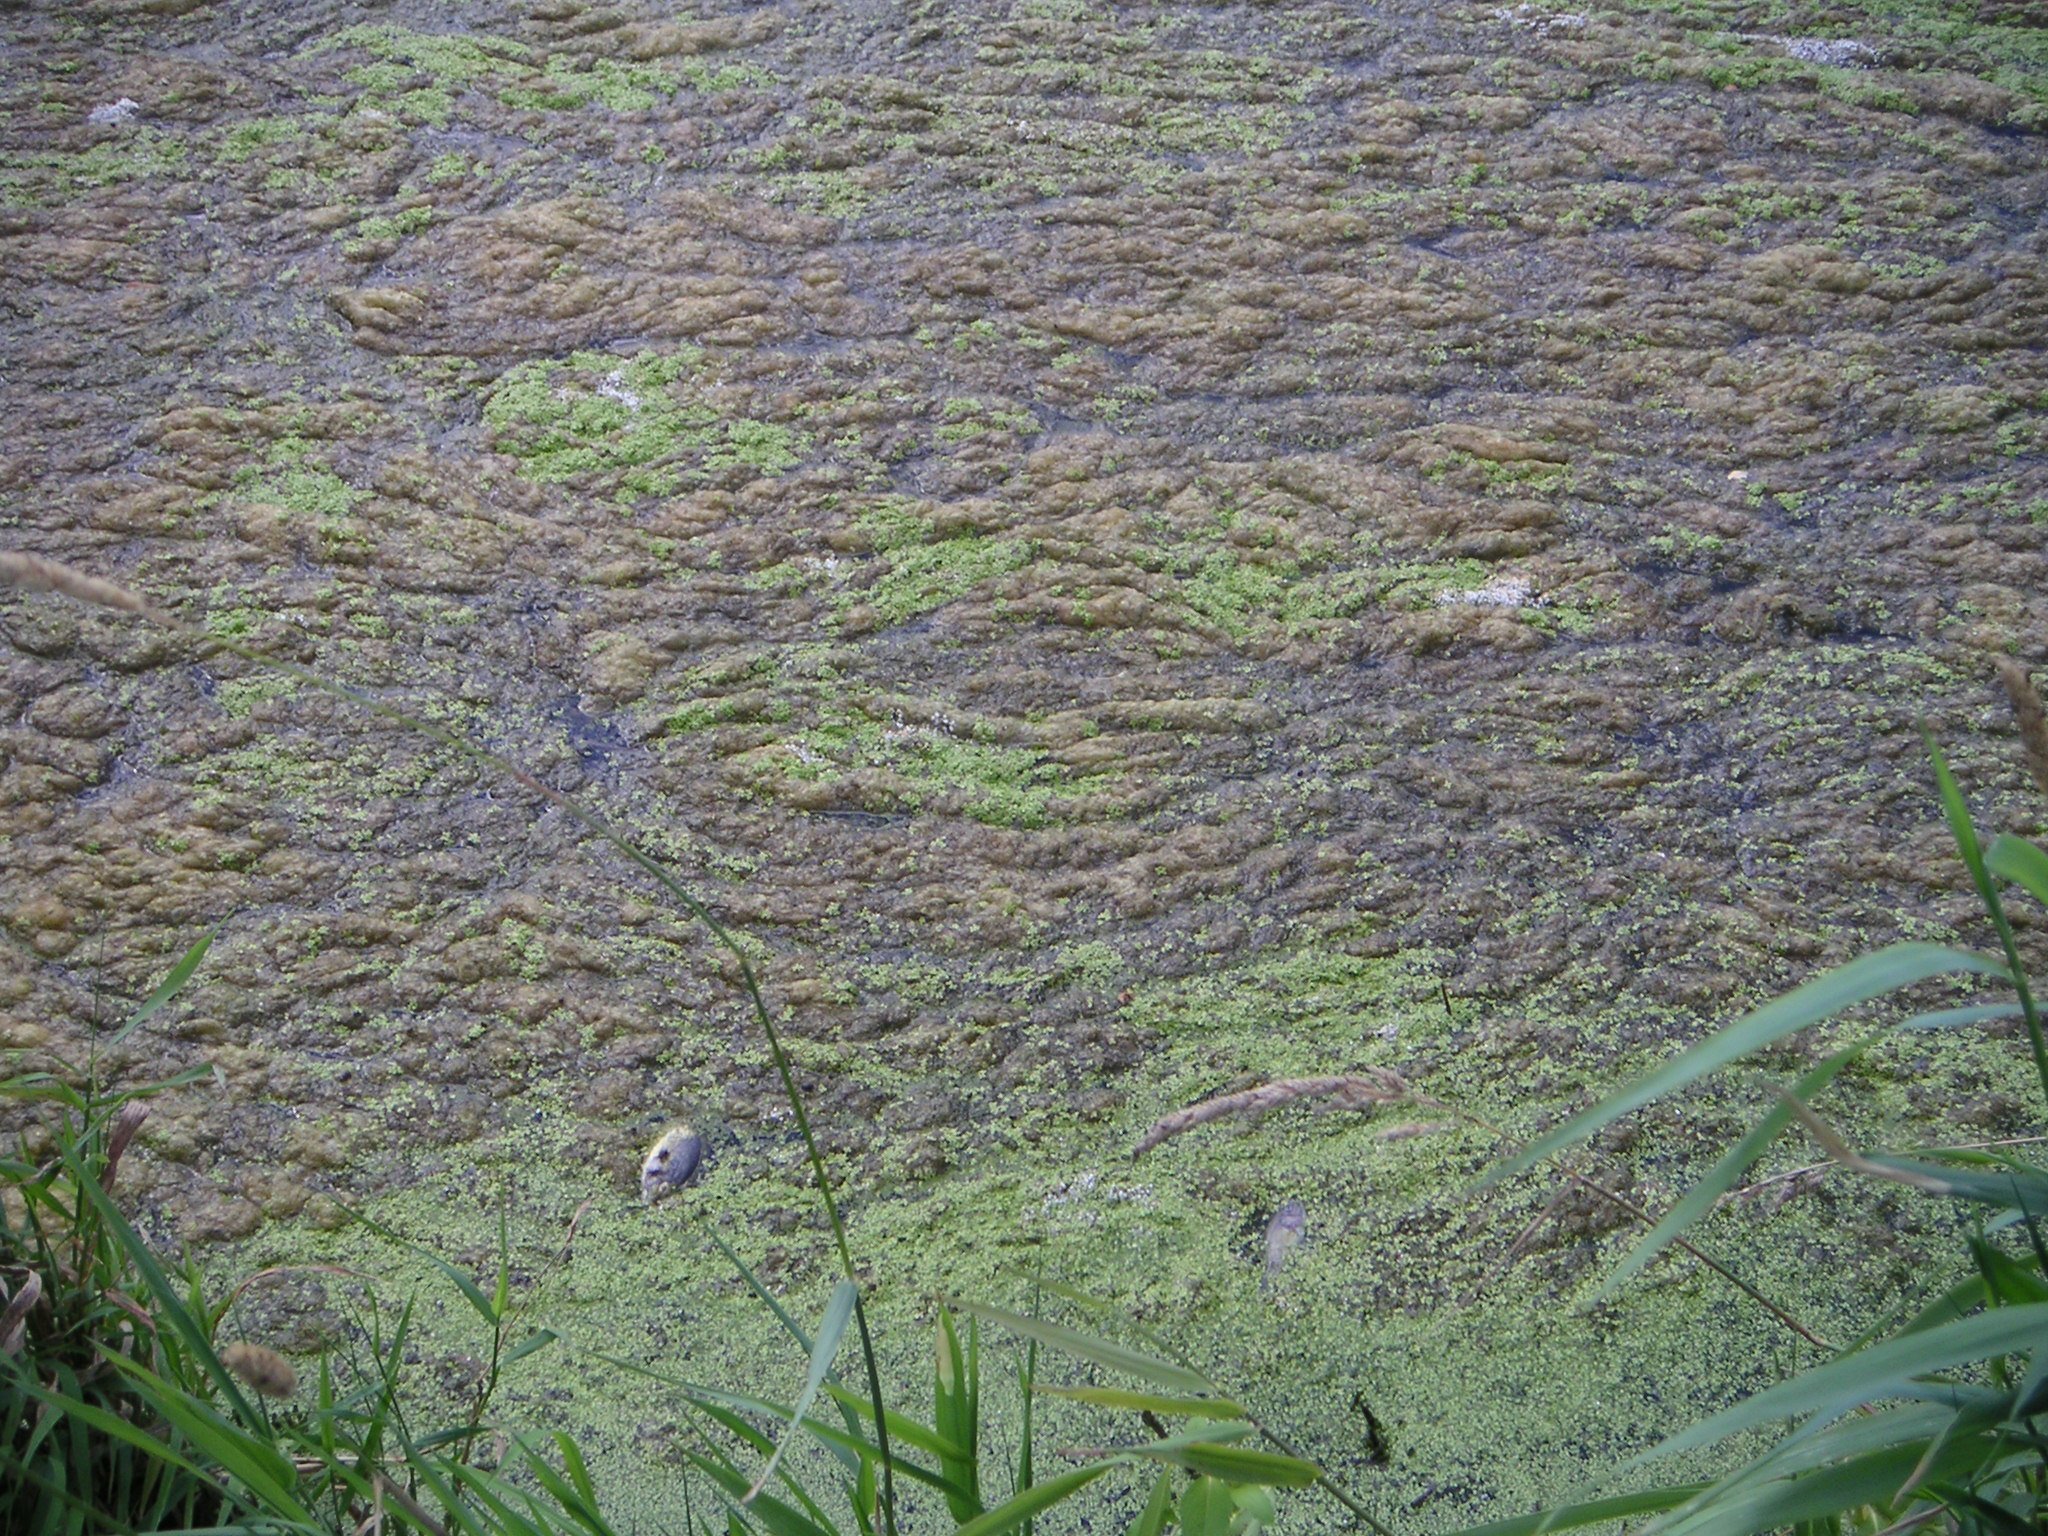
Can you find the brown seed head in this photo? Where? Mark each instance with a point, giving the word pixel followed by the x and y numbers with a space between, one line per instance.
pixel 14 1320
pixel 1359 1090
pixel 263 1369
pixel 126 1123
pixel 35 573
pixel 2032 718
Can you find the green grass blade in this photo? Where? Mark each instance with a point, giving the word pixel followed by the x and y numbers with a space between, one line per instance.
pixel 1849 1485
pixel 257 1465
pixel 1958 814
pixel 1869 1375
pixel 2010 1186
pixel 1152 1518
pixel 2025 864
pixel 865 1451
pixel 169 1304
pixel 1150 1402
pixel 1033 1501
pixel 789 1324
pixel 471 1291
pixel 1110 1356
pixel 172 985
pixel 1961 1018
pixel 831 1329
pixel 539 1339
pixel 1870 976
pixel 1206 1509
pixel 1233 1463
pixel 1723 1175
pixel 955 1415
pixel 1570 1517
pixel 776 1517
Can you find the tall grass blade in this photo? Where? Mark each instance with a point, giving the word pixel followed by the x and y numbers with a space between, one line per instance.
pixel 1152 1518
pixel 473 1293
pixel 776 1517
pixel 1870 1479
pixel 789 1324
pixel 1571 1517
pixel 1965 831
pixel 1110 1356
pixel 955 1415
pixel 256 1463
pixel 1206 1509
pixel 172 985
pixel 831 1329
pixel 1234 1463
pixel 2025 864
pixel 1960 1018
pixel 1870 976
pixel 1033 1500
pixel 1870 1375
pixel 1723 1175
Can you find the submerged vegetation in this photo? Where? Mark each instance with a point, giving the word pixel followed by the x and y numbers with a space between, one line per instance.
pixel 125 1406
pixel 1133 553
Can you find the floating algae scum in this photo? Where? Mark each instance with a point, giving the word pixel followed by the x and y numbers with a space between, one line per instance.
pixel 994 494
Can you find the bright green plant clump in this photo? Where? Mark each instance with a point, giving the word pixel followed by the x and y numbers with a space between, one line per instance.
pixel 1933 1422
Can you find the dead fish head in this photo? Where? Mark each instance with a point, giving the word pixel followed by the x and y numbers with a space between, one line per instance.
pixel 671 1163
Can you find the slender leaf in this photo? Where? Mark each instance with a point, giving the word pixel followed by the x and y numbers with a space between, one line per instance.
pixel 2005 1185
pixel 1206 1509
pixel 1958 1018
pixel 1873 975
pixel 1152 1519
pixel 1235 1463
pixel 1255 1502
pixel 865 1451
pixel 1110 1356
pixel 1870 1375
pixel 172 985
pixel 1958 814
pixel 778 1518
pixel 539 1339
pixel 1038 1497
pixel 1570 1517
pixel 790 1326
pixel 955 1415
pixel 831 1329
pixel 1846 1486
pixel 1150 1402
pixel 2025 864
pixel 1723 1175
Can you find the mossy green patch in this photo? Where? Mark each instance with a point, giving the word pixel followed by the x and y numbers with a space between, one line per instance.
pixel 419 74
pixel 43 178
pixel 627 426
pixel 923 572
pixel 925 765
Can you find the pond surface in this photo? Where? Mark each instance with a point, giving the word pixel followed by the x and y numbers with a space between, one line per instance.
pixel 1129 550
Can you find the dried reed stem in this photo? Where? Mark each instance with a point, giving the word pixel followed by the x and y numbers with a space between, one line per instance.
pixel 35 573
pixel 2032 718
pixel 1364 1090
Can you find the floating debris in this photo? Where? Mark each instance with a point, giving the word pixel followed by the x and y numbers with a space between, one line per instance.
pixel 1834 52
pixel 265 1370
pixel 671 1163
pixel 1283 1235
pixel 1504 592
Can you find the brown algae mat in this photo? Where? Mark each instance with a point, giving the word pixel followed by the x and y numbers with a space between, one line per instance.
pixel 1131 550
